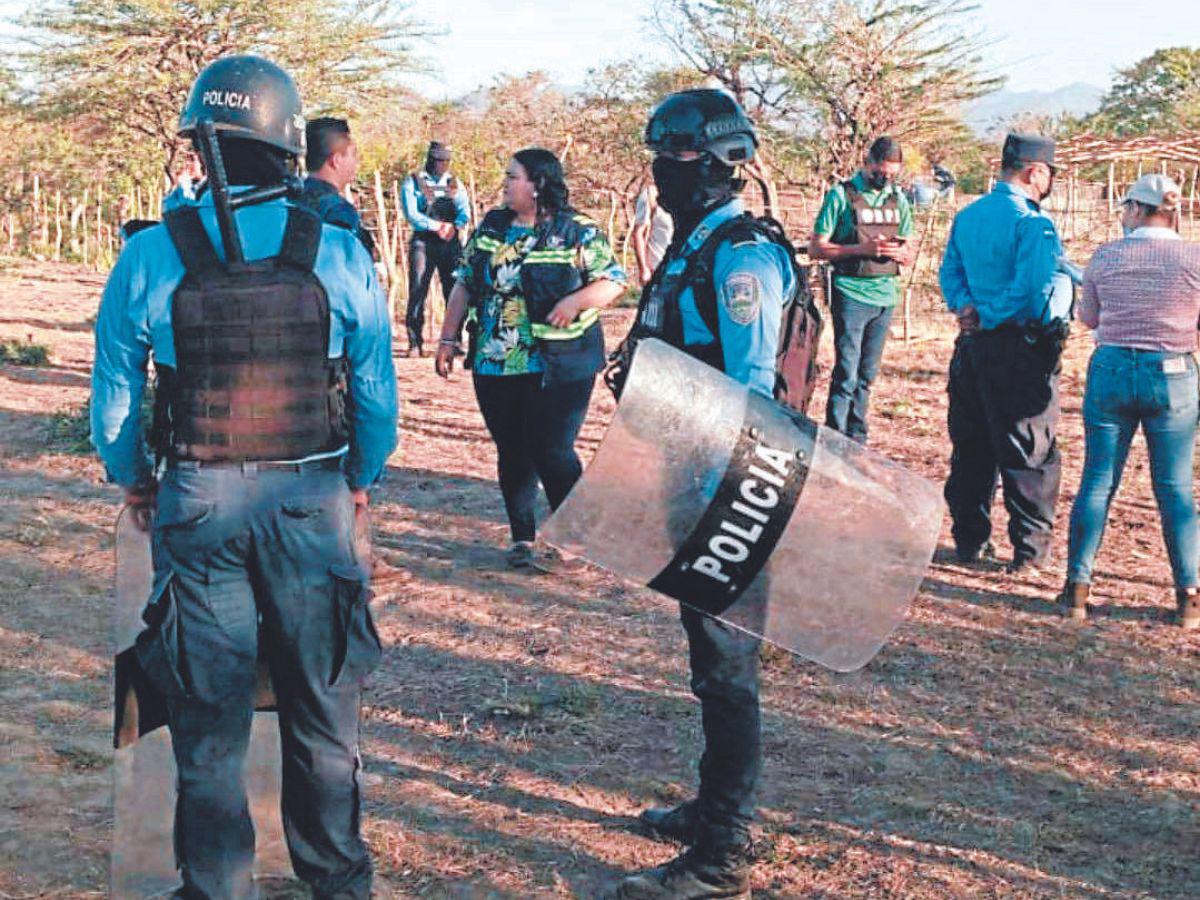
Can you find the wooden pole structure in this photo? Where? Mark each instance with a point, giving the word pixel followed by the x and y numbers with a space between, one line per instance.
pixel 400 249
pixel 385 249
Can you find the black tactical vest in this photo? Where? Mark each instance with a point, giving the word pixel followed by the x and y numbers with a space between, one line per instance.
pixel 550 272
pixel 870 222
pixel 659 314
pixel 252 377
pixel 439 201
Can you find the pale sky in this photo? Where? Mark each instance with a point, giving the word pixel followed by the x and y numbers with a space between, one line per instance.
pixel 1039 44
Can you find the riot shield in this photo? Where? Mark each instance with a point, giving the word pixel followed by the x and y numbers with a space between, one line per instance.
pixel 736 507
pixel 143 855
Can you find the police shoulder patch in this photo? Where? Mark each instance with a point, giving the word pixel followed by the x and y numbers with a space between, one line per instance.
pixel 741 295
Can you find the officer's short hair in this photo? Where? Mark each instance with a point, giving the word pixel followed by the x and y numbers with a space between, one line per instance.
pixel 324 137
pixel 885 149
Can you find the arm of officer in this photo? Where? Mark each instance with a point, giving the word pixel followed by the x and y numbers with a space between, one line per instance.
pixel 1037 251
pixel 462 203
pixel 372 401
pixel 752 281
pixel 119 374
pixel 952 276
pixel 906 253
pixel 416 218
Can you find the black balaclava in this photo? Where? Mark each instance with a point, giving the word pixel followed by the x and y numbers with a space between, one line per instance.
pixel 687 190
pixel 252 162
pixel 877 180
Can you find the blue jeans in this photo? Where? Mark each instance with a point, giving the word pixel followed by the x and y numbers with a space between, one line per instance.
pixel 259 563
pixel 1125 388
pixel 859 332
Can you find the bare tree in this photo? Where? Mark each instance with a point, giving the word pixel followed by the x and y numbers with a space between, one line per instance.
pixel 122 70
pixel 833 74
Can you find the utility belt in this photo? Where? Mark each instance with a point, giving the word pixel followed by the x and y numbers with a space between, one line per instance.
pixel 1038 345
pixel 249 467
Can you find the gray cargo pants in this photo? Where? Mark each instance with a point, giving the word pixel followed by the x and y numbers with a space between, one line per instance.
pixel 255 561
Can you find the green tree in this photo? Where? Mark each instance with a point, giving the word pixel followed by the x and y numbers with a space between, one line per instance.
pixel 1160 93
pixel 120 69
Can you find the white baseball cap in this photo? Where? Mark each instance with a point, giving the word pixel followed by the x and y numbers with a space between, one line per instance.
pixel 1154 191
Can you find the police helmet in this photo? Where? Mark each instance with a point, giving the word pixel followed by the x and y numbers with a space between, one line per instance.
pixel 704 120
pixel 247 97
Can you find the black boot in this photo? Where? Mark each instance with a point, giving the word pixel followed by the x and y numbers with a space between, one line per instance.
pixel 698 874
pixel 1073 601
pixel 676 823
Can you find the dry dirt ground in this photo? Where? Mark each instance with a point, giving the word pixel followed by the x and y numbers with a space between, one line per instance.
pixel 518 723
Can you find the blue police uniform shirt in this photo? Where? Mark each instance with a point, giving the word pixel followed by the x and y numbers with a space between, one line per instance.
pixel 1005 259
pixel 135 321
pixel 324 199
pixel 416 205
pixel 753 281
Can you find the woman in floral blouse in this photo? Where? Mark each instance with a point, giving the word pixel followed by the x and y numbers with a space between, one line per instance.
pixel 534 277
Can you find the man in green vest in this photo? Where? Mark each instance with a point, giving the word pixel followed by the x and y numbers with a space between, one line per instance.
pixel 863 229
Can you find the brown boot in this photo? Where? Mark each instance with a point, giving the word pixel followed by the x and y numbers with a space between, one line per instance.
pixel 1073 599
pixel 1187 605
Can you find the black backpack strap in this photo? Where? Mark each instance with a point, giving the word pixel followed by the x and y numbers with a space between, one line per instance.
pixel 701 263
pixel 301 239
pixel 191 240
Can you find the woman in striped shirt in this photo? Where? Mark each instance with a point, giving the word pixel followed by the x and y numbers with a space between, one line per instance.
pixel 1141 294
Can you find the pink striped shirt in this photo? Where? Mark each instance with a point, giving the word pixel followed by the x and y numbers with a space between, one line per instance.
pixel 1144 292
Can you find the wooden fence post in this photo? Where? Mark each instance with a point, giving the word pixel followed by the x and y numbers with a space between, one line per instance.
pixel 385 240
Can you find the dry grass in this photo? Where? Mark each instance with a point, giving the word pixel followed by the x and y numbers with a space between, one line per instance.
pixel 518 722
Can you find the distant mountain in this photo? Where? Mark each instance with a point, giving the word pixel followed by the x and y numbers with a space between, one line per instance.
pixel 995 111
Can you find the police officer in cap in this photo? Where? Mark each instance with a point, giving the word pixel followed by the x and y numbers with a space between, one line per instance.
pixel 1004 277
pixel 699 138
pixel 275 412
pixel 436 206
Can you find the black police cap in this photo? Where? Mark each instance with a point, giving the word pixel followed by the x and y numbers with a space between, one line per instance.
pixel 248 97
pixel 703 120
pixel 1028 148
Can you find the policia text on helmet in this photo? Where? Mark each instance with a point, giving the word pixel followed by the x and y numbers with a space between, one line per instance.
pixel 244 117
pixel 699 138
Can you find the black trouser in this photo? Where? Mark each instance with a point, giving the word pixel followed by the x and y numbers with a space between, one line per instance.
pixel 1003 417
pixel 725 664
pixel 427 253
pixel 534 428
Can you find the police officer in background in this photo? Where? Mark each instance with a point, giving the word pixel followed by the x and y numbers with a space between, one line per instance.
pixel 275 412
pixel 1003 277
pixel 699 138
pixel 331 158
pixel 436 207
pixel 862 229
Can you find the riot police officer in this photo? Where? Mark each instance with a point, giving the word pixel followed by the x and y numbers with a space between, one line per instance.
pixel 699 138
pixel 275 412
